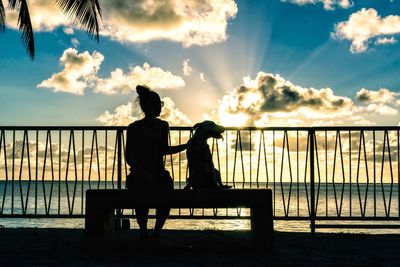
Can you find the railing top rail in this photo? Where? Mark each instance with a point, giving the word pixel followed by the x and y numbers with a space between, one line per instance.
pixel 187 128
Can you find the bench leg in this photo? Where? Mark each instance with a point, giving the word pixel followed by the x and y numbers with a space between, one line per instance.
pixel 262 225
pixel 99 224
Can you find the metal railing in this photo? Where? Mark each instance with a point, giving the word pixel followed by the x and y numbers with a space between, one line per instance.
pixel 318 174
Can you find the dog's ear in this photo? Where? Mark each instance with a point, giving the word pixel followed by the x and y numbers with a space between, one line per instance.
pixel 196 125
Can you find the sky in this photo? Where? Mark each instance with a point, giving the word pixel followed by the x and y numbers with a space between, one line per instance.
pixel 240 63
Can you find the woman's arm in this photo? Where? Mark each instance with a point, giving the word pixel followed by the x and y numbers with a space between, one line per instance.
pixel 174 149
pixel 168 150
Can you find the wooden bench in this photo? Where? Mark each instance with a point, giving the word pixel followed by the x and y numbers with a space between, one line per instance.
pixel 101 205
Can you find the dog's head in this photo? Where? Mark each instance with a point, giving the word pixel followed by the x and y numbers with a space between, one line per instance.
pixel 207 129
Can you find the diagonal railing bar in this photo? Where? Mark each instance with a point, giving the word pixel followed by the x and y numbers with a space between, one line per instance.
pixel 251 148
pixel 171 157
pixel 259 159
pixel 180 160
pixel 24 205
pixel 273 171
pixel 262 148
pixel 36 169
pixel 343 174
pixel 305 171
pixel 226 157
pixel 338 140
pixel 98 160
pixel 52 172
pixel 374 160
pixel 312 181
pixel 187 174
pixel 3 139
pixel 66 169
pixel 215 147
pixel 13 172
pixel 362 144
pixel 382 167
pixel 285 144
pixel 234 158
pixel 83 170
pixel 350 176
pixel 367 174
pixel 20 173
pixel 242 160
pixel 43 173
pixel 105 158
pixel 386 206
pixel 391 176
pixel 319 175
pixel 114 162
pixel 297 174
pixel 76 174
pixel 290 171
pixel 91 159
pixel 59 172
pixel 124 153
pixel 71 202
pixel 326 173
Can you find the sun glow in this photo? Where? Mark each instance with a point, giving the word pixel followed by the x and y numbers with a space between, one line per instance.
pixel 238 119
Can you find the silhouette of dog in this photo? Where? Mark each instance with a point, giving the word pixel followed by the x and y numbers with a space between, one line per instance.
pixel 203 174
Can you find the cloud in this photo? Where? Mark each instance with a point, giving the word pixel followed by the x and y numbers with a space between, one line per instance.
pixel 365 25
pixel 381 109
pixel 385 40
pixel 270 95
pixel 270 100
pixel 154 77
pixel 68 31
pixel 186 68
pixel 122 115
pixel 172 114
pixel 383 95
pixel 190 22
pixel 75 42
pixel 45 16
pixel 382 102
pixel 126 114
pixel 328 4
pixel 80 71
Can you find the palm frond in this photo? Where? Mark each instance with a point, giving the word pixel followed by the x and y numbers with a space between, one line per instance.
pixel 24 25
pixel 86 12
pixel 2 17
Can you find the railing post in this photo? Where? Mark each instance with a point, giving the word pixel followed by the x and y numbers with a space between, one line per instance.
pixel 312 181
pixel 118 218
pixel 119 158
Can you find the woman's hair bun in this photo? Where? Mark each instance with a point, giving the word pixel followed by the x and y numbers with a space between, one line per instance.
pixel 142 89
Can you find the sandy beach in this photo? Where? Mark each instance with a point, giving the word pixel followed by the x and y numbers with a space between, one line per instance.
pixel 67 247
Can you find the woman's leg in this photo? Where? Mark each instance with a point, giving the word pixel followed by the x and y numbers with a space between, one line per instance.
pixel 141 218
pixel 163 213
pixel 161 217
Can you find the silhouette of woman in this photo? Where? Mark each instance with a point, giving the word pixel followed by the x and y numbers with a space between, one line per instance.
pixel 146 145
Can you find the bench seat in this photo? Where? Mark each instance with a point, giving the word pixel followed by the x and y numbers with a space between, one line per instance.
pixel 101 205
